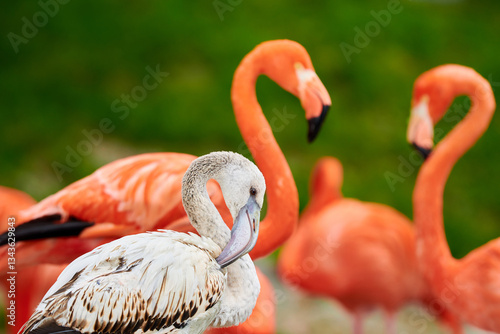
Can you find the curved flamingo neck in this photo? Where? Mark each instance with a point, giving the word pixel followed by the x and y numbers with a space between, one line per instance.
pixel 432 246
pixel 327 179
pixel 282 195
pixel 325 186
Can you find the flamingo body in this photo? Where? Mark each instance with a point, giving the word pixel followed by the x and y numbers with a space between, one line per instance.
pixel 358 253
pixel 161 281
pixel 361 254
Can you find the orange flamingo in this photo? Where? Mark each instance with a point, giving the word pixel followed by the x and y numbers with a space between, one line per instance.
pixel 361 254
pixel 143 192
pixel 26 299
pixel 469 286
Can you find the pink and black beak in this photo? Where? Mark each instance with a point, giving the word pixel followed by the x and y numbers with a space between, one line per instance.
pixel 421 128
pixel 424 152
pixel 243 234
pixel 316 122
pixel 314 99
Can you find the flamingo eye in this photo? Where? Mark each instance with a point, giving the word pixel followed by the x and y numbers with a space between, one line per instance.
pixel 253 191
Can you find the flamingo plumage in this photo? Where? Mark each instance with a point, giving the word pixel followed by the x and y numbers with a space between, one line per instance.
pixel 470 286
pixel 143 192
pixel 262 320
pixel 360 254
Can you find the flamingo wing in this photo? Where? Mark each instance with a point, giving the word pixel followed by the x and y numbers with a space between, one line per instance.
pixel 152 281
pixel 129 195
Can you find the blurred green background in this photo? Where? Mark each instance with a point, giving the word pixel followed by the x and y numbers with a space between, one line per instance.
pixel 65 77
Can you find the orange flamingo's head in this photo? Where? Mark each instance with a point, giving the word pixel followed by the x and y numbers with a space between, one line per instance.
pixel 289 65
pixel 433 93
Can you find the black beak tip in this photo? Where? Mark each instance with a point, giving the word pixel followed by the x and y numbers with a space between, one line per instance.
pixel 425 152
pixel 315 124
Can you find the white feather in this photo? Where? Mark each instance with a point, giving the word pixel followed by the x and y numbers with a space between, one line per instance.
pixel 150 275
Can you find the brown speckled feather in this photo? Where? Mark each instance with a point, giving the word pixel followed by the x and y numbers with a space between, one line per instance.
pixel 115 290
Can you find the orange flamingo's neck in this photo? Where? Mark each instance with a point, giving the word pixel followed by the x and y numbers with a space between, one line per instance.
pixel 432 246
pixel 282 195
pixel 325 185
pixel 326 180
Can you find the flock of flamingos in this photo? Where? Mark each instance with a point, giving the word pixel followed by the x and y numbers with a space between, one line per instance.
pixel 363 255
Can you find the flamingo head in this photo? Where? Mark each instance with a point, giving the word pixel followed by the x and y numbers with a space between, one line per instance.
pixel 243 186
pixel 433 93
pixel 289 65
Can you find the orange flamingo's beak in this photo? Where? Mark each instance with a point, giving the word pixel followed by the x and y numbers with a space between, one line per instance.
pixel 421 128
pixel 314 99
